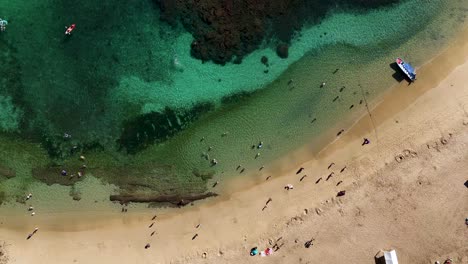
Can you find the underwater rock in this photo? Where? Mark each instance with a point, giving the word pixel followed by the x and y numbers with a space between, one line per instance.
pixel 179 200
pixel 75 194
pixel 156 127
pixel 204 175
pixel 282 50
pixel 51 174
pixel 7 172
pixel 229 30
pixel 2 199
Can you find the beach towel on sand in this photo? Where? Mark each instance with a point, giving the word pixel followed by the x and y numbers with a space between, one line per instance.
pixel 266 252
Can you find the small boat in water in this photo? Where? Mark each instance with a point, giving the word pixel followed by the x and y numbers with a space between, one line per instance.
pixel 407 69
pixel 70 29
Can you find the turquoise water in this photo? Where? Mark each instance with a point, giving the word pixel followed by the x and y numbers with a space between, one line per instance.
pixel 126 63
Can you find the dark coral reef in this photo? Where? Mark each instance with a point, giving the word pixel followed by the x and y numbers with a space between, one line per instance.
pixel 227 30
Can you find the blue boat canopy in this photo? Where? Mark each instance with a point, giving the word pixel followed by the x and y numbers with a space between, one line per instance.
pixel 408 67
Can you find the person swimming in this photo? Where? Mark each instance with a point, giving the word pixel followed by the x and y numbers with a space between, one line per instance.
pixel 3 24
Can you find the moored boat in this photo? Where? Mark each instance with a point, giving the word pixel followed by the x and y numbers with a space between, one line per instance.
pixel 407 69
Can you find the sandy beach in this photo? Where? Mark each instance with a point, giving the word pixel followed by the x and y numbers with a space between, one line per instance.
pixel 404 191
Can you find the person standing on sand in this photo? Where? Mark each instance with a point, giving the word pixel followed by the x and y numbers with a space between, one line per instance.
pixel 299 170
pixel 365 142
pixel 254 251
pixel 34 232
pixel 309 243
pixel 340 132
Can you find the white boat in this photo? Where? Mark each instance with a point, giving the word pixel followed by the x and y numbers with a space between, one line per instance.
pixel 407 69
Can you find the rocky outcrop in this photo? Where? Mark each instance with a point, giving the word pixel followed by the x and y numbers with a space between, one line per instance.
pixel 225 31
pixel 156 127
pixel 179 200
pixel 282 50
pixel 7 172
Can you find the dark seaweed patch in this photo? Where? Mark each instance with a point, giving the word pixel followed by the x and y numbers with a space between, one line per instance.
pixel 2 197
pixel 227 31
pixel 156 127
pixel 60 148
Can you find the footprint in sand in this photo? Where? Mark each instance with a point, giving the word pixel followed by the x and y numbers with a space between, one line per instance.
pixel 406 153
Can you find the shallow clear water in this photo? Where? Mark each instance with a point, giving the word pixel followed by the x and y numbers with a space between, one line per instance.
pixel 124 63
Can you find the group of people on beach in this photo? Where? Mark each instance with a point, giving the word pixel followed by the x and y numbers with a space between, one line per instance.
pixel 254 251
pixel 31 209
pixel 148 245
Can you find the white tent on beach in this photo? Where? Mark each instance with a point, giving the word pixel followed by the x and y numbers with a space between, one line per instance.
pixel 390 257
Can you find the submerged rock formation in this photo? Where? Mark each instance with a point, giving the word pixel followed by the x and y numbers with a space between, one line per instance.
pixel 179 200
pixel 282 50
pixel 7 172
pixel 225 31
pixel 156 127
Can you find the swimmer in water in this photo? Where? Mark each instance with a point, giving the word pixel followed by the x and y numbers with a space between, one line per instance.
pixel 3 24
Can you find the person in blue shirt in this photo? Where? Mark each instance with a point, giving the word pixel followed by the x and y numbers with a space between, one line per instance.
pixel 253 251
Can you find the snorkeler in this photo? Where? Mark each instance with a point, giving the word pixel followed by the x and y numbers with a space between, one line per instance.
pixel 3 24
